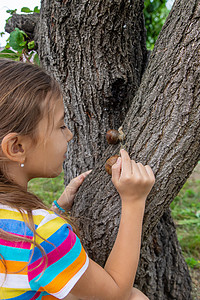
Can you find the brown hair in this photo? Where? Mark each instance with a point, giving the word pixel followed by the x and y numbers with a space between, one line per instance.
pixel 24 88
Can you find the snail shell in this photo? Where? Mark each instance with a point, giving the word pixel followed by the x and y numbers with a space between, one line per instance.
pixel 110 162
pixel 112 136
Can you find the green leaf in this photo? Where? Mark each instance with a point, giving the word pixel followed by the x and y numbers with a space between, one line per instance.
pixel 2 33
pixel 8 19
pixel 36 59
pixel 16 38
pixel 26 10
pixel 31 45
pixel 6 53
pixel 7 46
pixel 11 11
pixel 36 10
pixel 23 44
pixel 24 33
pixel 155 13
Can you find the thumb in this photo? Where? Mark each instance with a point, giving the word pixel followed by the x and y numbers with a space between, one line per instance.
pixel 116 170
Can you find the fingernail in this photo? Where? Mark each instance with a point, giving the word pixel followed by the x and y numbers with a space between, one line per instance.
pixel 118 160
pixel 81 177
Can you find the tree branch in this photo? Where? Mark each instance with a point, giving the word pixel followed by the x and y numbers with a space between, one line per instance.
pixel 26 22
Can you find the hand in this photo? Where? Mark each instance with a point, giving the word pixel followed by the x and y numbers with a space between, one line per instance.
pixel 67 198
pixel 137 294
pixel 132 180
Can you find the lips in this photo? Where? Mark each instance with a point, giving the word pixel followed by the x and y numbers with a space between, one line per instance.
pixel 65 155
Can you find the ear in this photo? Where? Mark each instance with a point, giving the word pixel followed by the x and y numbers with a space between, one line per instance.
pixel 13 147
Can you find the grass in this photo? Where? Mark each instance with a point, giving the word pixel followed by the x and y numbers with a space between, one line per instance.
pixel 47 189
pixel 185 212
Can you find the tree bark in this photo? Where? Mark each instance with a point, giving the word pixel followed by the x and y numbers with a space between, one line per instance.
pixel 100 49
pixel 163 272
pixel 96 50
pixel 162 129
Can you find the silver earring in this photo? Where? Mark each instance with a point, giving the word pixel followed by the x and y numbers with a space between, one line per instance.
pixel 22 165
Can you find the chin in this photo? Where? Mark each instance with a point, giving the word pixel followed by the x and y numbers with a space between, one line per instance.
pixel 54 175
pixel 57 173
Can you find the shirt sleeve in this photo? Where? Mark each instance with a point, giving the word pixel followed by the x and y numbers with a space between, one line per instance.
pixel 66 260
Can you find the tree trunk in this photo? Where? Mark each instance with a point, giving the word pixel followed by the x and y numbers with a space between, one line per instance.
pixel 163 273
pixel 96 50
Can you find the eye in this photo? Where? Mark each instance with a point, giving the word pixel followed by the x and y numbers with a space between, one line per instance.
pixel 63 127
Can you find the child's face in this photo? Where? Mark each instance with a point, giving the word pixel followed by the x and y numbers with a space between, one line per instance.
pixel 45 159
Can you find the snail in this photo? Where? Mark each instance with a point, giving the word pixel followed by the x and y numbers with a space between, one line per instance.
pixel 110 162
pixel 114 136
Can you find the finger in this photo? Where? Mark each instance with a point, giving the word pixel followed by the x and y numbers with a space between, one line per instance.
pixel 77 181
pixel 86 173
pixel 116 170
pixel 73 186
pixel 142 170
pixel 135 169
pixel 82 176
pixel 150 172
pixel 126 163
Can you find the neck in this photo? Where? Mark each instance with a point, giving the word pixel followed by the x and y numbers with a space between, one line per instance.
pixel 17 174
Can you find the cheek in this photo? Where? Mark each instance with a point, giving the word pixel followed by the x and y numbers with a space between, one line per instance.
pixel 59 149
pixel 56 147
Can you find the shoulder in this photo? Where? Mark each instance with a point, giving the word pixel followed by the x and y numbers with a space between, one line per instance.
pixel 42 215
pixel 65 261
pixel 47 222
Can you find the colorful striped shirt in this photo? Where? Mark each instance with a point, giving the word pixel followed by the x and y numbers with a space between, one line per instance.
pixel 27 278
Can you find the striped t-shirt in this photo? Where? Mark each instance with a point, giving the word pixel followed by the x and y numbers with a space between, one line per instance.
pixel 67 260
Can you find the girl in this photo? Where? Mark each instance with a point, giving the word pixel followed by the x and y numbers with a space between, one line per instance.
pixel 41 256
